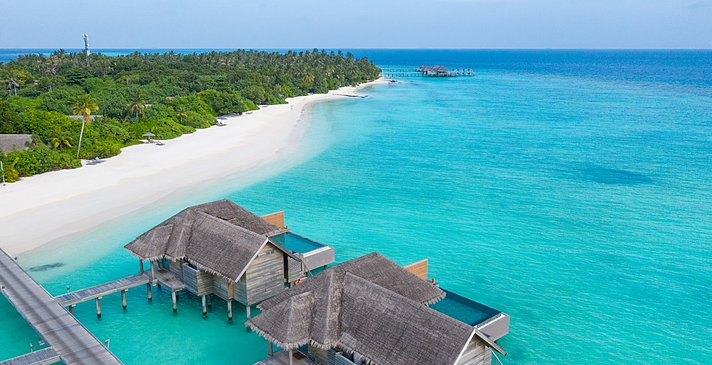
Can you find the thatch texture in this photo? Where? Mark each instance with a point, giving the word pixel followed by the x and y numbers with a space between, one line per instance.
pixel 345 308
pixel 219 237
pixel 375 268
pixel 11 142
pixel 222 248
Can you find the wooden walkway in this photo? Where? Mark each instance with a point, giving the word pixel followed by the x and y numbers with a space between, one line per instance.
pixel 69 338
pixel 44 356
pixel 100 290
pixel 282 358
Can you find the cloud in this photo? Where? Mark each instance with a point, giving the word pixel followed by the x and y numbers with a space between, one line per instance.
pixel 698 4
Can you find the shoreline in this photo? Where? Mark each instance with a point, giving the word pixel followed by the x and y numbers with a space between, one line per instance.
pixel 43 208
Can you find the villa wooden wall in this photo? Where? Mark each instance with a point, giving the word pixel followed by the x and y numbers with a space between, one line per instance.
pixel 276 219
pixel 419 268
pixel 295 270
pixel 476 353
pixel 326 357
pixel 220 287
pixel 176 268
pixel 198 282
pixel 264 277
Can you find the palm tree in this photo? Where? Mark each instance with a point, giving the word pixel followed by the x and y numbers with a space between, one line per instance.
pixel 136 107
pixel 180 113
pixel 84 106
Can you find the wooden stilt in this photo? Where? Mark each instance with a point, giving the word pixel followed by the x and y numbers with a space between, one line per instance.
pixel 247 309
pixel 149 293
pixel 98 307
pixel 210 301
pixel 291 357
pixel 205 307
pixel 153 275
pixel 230 292
pixel 140 261
pixel 123 299
pixel 270 349
pixel 175 301
pixel 71 309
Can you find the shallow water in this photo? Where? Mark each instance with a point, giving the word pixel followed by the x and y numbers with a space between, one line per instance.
pixel 571 190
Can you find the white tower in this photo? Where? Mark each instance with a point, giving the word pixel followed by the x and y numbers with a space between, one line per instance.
pixel 86 47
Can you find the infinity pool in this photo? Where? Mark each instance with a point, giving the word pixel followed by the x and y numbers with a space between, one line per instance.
pixel 296 242
pixel 463 309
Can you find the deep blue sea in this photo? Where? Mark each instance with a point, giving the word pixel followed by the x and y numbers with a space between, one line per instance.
pixel 569 189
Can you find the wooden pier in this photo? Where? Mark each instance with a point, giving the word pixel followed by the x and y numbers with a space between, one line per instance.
pixel 428 71
pixel 98 291
pixel 65 335
pixel 44 356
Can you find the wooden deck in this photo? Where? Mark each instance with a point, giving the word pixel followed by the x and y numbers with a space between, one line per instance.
pixel 167 279
pixel 44 356
pixel 69 338
pixel 102 290
pixel 282 358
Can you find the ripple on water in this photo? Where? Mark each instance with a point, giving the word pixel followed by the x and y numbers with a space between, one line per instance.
pixel 610 176
pixel 46 267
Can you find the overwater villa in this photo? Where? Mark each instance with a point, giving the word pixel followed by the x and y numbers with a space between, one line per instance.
pixel 222 249
pixel 365 311
pixel 371 311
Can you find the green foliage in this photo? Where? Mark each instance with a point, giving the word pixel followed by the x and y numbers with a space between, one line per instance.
pixel 167 94
pixel 61 99
pixel 223 103
pixel 50 128
pixel 37 160
pixel 163 128
pixel 9 119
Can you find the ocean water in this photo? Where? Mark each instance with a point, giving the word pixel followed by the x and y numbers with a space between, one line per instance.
pixel 569 189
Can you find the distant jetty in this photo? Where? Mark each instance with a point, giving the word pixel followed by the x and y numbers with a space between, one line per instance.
pixel 431 71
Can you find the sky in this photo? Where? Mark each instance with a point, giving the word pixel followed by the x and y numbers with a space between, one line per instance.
pixel 357 23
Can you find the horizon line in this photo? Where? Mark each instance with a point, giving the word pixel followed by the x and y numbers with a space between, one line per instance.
pixel 362 49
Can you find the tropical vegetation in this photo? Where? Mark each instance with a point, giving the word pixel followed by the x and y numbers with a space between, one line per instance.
pixel 77 110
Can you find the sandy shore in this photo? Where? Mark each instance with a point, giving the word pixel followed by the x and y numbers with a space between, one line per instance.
pixel 43 208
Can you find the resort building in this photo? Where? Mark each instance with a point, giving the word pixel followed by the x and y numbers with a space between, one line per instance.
pixel 222 249
pixel 12 142
pixel 371 311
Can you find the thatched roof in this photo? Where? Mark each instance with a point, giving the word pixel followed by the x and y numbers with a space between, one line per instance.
pixel 369 305
pixel 220 237
pixel 11 142
pixel 375 268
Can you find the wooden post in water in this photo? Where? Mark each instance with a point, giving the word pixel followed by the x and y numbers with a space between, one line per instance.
pixel 149 294
pixel 205 308
pixel 98 307
pixel 270 350
pixel 229 299
pixel 140 261
pixel 247 309
pixel 210 301
pixel 175 301
pixel 123 298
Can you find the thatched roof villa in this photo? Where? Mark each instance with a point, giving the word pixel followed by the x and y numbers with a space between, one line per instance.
pixel 12 142
pixel 368 311
pixel 222 249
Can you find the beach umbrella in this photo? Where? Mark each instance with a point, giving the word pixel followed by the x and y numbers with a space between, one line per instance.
pixel 149 134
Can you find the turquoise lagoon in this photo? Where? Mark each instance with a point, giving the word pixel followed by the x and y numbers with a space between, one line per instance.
pixel 569 189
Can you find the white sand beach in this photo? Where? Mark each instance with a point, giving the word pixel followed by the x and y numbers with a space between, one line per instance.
pixel 42 208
